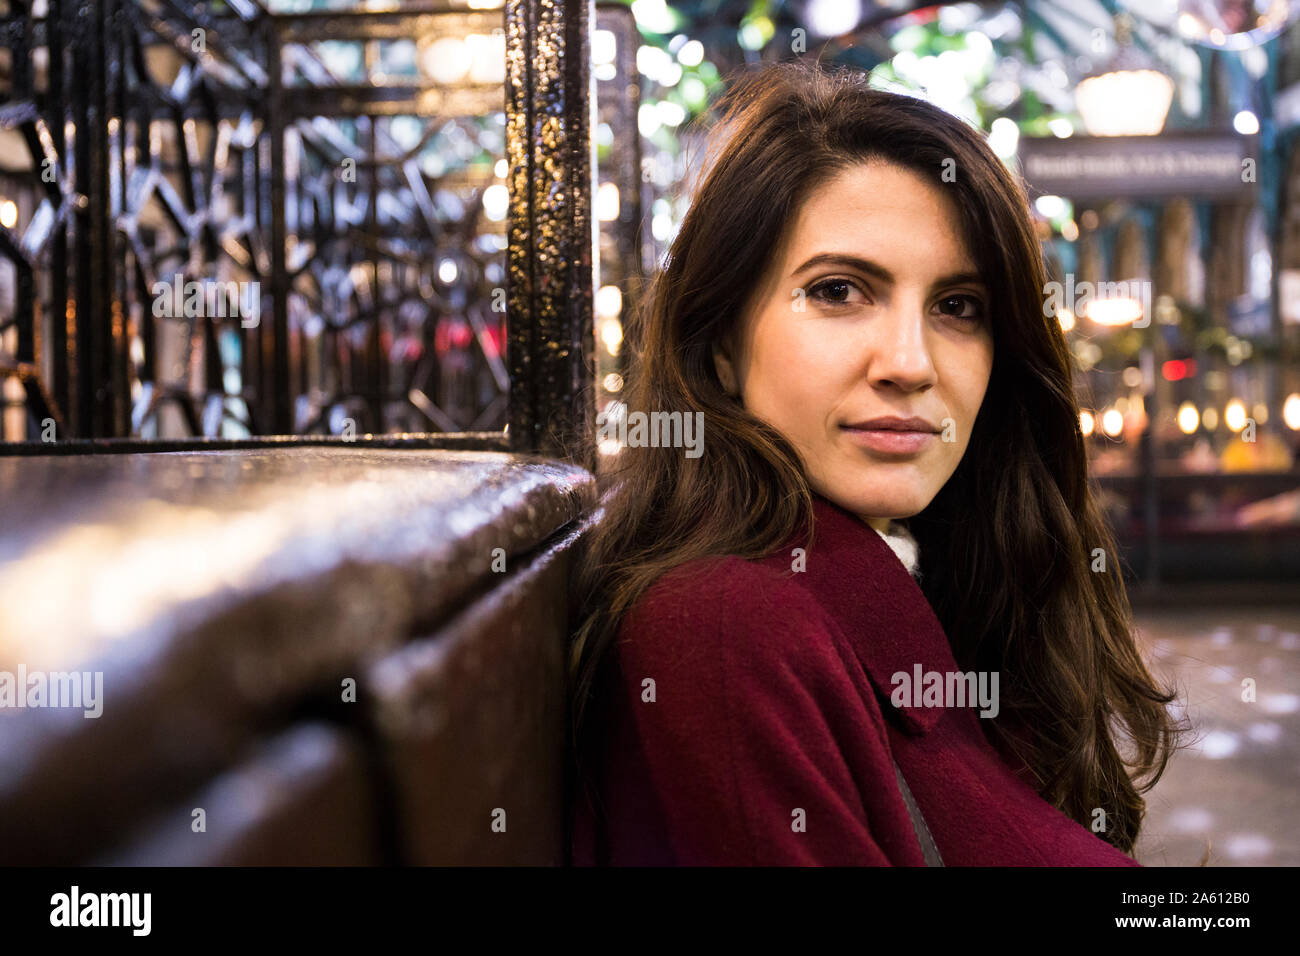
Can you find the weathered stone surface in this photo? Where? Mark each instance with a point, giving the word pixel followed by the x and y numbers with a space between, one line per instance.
pixel 306 798
pixel 471 723
pixel 215 591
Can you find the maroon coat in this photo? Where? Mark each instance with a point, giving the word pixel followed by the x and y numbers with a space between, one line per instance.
pixel 769 736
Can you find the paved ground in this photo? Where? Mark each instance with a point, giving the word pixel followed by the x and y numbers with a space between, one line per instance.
pixel 1236 790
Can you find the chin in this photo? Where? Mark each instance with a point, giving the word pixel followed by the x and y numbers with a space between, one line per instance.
pixel 880 504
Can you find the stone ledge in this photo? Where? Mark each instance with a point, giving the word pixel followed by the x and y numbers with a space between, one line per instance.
pixel 214 590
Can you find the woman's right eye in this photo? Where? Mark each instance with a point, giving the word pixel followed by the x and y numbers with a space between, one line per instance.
pixel 832 291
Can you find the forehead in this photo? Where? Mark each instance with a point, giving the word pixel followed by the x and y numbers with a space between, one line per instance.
pixel 883 212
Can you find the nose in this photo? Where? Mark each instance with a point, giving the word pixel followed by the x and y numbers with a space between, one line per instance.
pixel 900 356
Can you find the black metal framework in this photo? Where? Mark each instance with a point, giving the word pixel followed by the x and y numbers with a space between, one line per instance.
pixel 345 284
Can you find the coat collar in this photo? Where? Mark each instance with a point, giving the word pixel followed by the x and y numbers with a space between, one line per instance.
pixel 880 608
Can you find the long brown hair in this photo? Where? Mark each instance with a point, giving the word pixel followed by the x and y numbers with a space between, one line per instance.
pixel 1006 547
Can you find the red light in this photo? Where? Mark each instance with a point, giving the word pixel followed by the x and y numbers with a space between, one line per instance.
pixel 1174 370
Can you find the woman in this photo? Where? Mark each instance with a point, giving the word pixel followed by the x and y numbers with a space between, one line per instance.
pixel 772 665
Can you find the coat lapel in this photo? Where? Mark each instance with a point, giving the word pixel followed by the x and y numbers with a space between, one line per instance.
pixel 883 612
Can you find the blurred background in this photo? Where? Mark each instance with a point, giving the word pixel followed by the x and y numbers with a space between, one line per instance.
pixel 1157 138
pixel 358 172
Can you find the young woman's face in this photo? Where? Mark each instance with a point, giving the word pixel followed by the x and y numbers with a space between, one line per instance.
pixel 874 312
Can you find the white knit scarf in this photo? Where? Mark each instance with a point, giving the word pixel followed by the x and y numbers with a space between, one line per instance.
pixel 903 544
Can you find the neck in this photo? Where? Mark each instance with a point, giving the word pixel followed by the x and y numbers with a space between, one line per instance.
pixel 880 524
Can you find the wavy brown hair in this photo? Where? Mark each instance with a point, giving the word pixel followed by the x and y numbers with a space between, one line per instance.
pixel 1007 545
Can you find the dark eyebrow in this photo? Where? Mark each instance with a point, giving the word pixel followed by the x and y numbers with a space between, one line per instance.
pixel 879 271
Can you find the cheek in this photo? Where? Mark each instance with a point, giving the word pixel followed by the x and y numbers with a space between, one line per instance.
pixel 971 368
pixel 789 368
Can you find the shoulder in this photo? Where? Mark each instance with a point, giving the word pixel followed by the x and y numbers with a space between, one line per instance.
pixel 720 591
pixel 734 613
pixel 724 578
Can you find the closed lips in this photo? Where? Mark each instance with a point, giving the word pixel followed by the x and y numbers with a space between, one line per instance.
pixel 895 425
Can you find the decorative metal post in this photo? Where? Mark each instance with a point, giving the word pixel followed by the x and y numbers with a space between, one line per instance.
pixel 550 234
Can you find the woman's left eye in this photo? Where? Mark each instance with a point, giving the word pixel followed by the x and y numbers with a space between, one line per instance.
pixel 962 307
